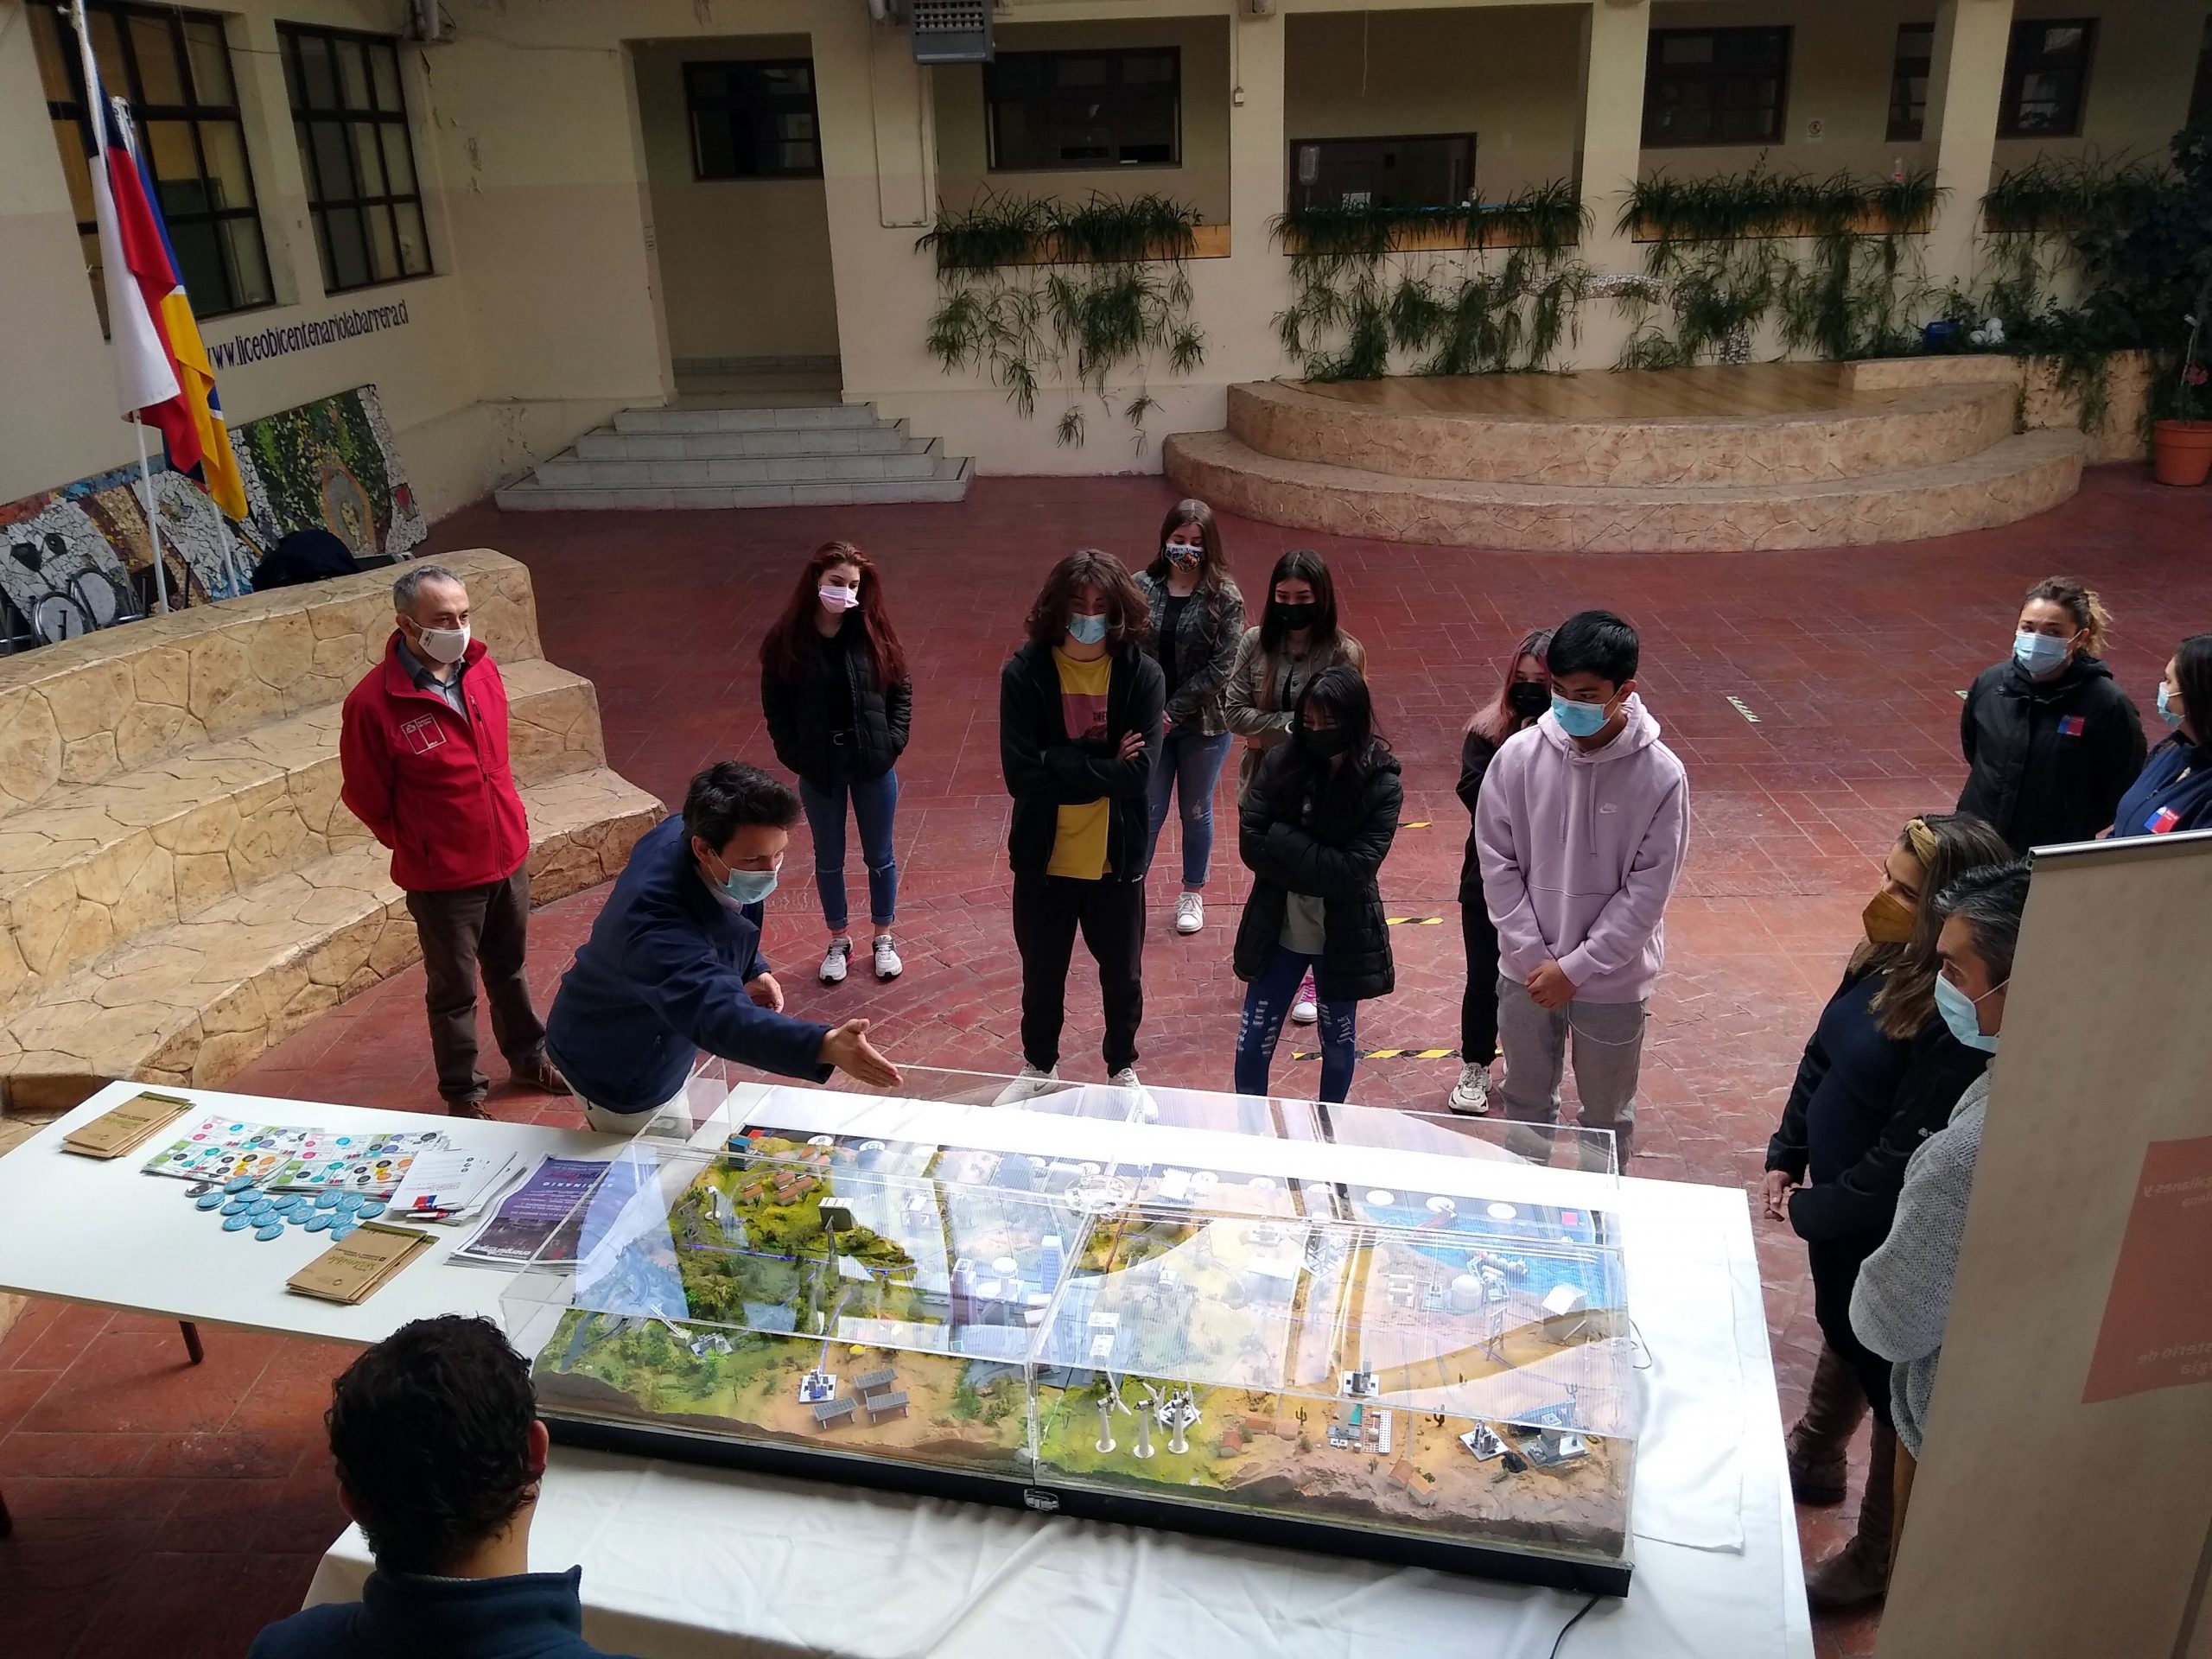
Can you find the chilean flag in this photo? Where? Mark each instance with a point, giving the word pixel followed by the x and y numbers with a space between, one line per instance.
pixel 162 375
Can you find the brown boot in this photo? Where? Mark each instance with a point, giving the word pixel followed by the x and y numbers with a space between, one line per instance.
pixel 1860 1572
pixel 1832 1413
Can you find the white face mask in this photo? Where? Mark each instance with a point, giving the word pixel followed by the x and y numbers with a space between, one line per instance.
pixel 442 645
pixel 838 599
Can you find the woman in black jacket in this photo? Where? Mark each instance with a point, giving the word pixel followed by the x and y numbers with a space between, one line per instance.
pixel 1525 695
pixel 2052 740
pixel 1880 1074
pixel 1197 623
pixel 1079 712
pixel 1313 828
pixel 835 688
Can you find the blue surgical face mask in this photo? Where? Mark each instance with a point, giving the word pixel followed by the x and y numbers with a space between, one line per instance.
pixel 2167 712
pixel 2039 652
pixel 739 888
pixel 1959 1012
pixel 1579 718
pixel 1086 630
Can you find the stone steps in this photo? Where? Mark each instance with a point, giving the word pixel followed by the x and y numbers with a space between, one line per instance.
pixel 195 1002
pixel 804 452
pixel 1853 435
pixel 947 481
pixel 912 459
pixel 93 864
pixel 2012 478
pixel 179 886
pixel 885 438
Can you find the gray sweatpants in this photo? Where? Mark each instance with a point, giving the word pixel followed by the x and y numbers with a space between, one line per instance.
pixel 1608 1049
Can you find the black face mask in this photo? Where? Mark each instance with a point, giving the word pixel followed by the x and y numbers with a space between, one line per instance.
pixel 1294 617
pixel 1325 745
pixel 1528 699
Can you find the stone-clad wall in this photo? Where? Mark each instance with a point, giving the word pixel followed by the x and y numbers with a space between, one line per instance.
pixel 120 698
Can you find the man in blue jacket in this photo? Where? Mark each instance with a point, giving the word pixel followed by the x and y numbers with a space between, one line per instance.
pixel 673 964
pixel 440 1454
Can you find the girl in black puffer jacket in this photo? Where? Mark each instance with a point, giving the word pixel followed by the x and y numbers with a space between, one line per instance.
pixel 1315 827
pixel 835 689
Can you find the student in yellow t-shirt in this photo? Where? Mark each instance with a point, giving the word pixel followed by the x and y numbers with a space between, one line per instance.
pixel 1079 732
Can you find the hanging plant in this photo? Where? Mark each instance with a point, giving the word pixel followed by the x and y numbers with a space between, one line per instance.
pixel 1838 261
pixel 1036 293
pixel 1463 290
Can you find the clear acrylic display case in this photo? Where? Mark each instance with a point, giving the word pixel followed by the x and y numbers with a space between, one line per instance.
pixel 1366 1331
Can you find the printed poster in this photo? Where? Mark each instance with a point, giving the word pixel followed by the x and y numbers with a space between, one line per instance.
pixel 2157 1325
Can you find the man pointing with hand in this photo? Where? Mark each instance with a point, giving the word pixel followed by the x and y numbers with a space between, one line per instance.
pixel 673 964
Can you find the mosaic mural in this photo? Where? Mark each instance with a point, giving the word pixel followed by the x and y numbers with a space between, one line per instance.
pixel 81 557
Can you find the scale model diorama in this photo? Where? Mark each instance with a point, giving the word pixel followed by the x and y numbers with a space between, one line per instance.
pixel 1422 1377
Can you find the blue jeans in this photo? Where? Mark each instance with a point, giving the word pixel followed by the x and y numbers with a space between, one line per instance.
pixel 875 804
pixel 1267 1005
pixel 1189 761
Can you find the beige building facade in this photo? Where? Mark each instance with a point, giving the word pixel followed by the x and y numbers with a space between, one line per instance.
pixel 593 231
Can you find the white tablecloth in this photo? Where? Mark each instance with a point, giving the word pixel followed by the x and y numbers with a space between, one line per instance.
pixel 682 1563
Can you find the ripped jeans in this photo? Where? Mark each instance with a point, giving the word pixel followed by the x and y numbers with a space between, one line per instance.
pixel 1267 1005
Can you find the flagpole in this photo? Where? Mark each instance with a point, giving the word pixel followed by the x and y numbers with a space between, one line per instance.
pixel 153 514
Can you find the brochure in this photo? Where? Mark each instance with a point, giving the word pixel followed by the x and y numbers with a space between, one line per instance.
pixel 542 1221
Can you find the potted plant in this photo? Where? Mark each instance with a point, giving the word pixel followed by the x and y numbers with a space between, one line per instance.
pixel 2181 446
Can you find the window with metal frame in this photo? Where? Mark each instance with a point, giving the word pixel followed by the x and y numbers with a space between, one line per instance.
pixel 172 69
pixel 1080 110
pixel 753 120
pixel 1909 82
pixel 357 155
pixel 1418 170
pixel 2046 77
pixel 1715 87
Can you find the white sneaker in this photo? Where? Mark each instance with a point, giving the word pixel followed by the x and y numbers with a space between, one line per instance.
pixel 1304 1010
pixel 887 965
pixel 1190 914
pixel 835 963
pixel 1471 1095
pixel 1030 1083
pixel 1124 1079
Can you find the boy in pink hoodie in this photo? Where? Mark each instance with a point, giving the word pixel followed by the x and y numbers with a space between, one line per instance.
pixel 1580 830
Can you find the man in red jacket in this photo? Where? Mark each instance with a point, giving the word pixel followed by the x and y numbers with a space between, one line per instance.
pixel 425 753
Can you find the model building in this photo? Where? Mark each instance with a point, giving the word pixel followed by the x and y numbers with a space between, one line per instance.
pixel 1417 1375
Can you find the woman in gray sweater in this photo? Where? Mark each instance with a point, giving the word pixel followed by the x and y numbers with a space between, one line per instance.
pixel 1902 1298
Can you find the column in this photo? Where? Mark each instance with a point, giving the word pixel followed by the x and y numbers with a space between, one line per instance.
pixel 1966 84
pixel 1238 315
pixel 1614 36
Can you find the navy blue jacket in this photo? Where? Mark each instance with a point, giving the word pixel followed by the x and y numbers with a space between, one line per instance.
pixel 1862 1104
pixel 662 977
pixel 532 1615
pixel 2162 800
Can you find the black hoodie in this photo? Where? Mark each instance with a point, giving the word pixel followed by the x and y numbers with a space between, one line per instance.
pixel 2050 759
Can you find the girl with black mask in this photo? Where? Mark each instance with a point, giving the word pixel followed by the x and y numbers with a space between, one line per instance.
pixel 1313 828
pixel 1525 695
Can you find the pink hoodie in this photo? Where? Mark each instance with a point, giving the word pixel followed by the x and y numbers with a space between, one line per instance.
pixel 1579 852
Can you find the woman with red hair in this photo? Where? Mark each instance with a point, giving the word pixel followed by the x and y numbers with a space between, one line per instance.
pixel 835 691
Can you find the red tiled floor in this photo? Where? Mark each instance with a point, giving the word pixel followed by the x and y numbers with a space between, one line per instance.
pixel 214 1502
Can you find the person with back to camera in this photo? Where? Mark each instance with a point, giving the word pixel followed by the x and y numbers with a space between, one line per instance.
pixel 1197 624
pixel 1880 1074
pixel 1314 829
pixel 1079 732
pixel 1295 639
pixel 1902 1298
pixel 2174 790
pixel 838 700
pixel 2051 740
pixel 440 1458
pixel 1581 828
pixel 673 963
pixel 1523 697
